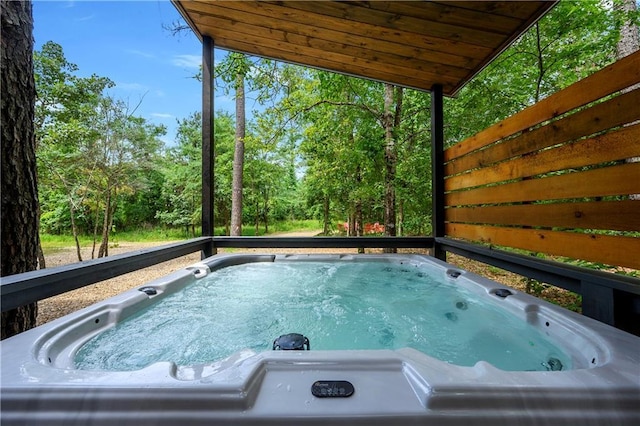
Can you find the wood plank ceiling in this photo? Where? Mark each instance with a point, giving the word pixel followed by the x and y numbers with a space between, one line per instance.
pixel 410 43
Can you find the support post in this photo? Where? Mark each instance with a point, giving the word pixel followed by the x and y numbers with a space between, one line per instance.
pixel 598 302
pixel 437 169
pixel 208 143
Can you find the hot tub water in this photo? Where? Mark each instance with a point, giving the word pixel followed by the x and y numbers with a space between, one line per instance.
pixel 339 305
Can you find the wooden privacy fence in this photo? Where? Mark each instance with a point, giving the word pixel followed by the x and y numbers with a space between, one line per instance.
pixel 558 177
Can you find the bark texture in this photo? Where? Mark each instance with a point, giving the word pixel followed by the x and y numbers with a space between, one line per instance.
pixel 391 121
pixel 19 205
pixel 238 160
pixel 629 40
pixel 628 43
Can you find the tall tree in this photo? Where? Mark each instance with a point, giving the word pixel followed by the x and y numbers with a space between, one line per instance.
pixel 238 157
pixel 233 70
pixel 181 195
pixel 125 145
pixel 19 206
pixel 391 118
pixel 66 109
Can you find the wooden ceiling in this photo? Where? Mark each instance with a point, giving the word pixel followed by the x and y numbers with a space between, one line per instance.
pixel 410 43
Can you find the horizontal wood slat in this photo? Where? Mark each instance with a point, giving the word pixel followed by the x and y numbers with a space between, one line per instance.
pixel 600 117
pixel 428 62
pixel 606 215
pixel 617 145
pixel 615 77
pixel 612 250
pixel 295 20
pixel 623 179
pixel 370 21
pixel 329 40
pixel 447 13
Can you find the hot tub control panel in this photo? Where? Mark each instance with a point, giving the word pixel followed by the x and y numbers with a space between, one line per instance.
pixel 332 389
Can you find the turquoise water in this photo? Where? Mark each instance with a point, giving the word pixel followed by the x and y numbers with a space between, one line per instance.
pixel 340 305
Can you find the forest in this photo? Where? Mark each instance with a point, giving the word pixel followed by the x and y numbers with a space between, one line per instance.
pixel 321 146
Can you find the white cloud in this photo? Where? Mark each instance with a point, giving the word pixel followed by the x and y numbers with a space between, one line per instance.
pixel 187 61
pixel 140 53
pixel 161 115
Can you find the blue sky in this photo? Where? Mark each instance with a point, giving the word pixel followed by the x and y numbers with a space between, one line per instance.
pixel 125 41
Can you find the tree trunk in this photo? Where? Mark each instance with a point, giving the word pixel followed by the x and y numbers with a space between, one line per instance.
pixel 629 40
pixel 19 190
pixel 351 220
pixel 400 217
pixel 390 160
pixel 257 217
pixel 540 63
pixel 238 160
pixel 103 251
pixel 95 230
pixel 628 43
pixel 325 229
pixel 42 264
pixel 359 223
pixel 74 228
pixel 265 211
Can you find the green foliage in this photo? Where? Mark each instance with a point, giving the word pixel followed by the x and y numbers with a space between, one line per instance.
pixel 574 40
pixel 181 191
pixel 93 153
pixel 314 150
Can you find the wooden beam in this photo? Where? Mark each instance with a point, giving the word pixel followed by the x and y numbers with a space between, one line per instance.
pixel 358 68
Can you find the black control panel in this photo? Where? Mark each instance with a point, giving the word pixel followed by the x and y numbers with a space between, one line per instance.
pixel 332 389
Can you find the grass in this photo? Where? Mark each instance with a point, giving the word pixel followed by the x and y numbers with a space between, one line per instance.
pixel 53 242
pixel 50 241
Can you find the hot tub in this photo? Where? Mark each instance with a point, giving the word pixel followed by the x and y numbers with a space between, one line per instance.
pixel 479 353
